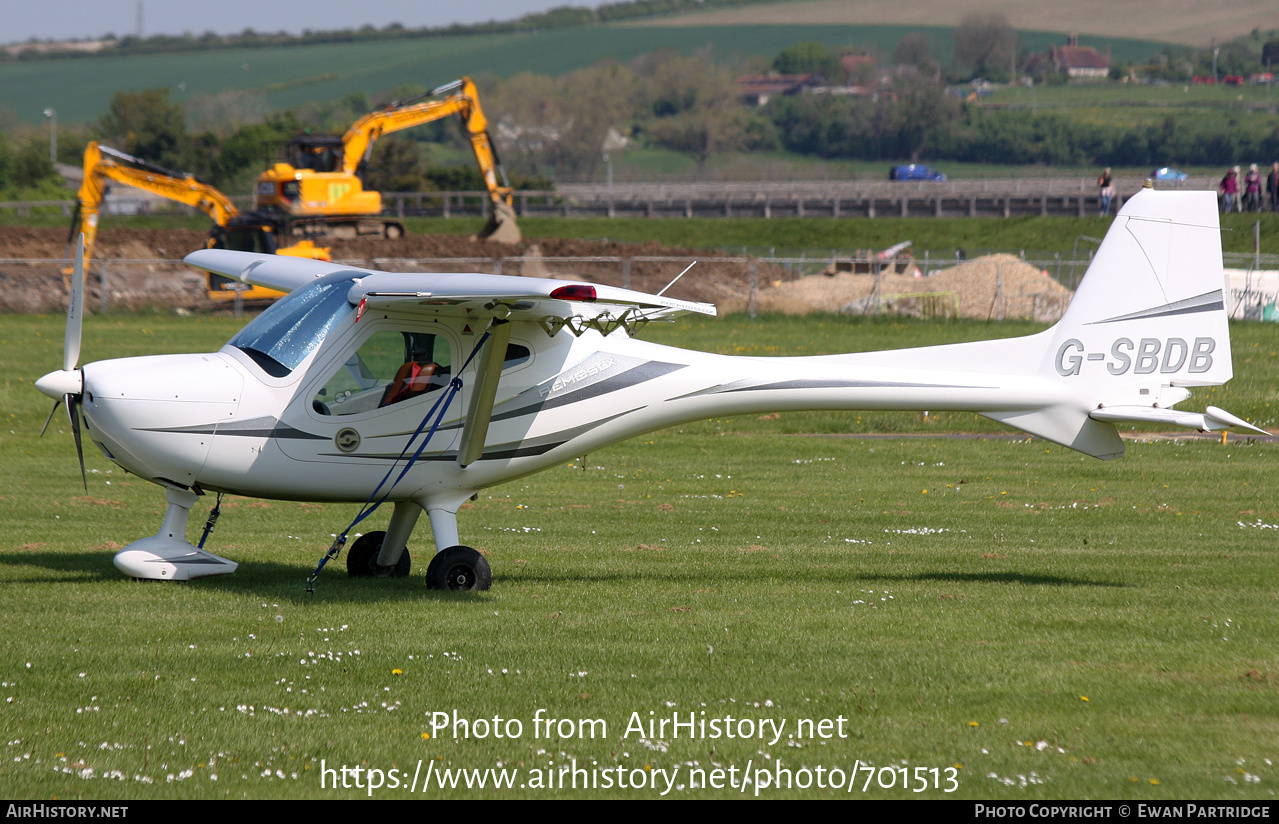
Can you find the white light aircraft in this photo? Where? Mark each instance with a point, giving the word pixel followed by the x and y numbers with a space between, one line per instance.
pixel 327 395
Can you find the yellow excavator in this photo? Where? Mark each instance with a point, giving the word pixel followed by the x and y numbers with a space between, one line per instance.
pixel 251 232
pixel 320 190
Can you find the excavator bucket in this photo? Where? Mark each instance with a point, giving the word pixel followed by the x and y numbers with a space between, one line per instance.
pixel 501 227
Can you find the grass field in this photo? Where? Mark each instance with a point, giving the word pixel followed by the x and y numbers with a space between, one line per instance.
pixel 1035 235
pixel 1013 619
pixel 1038 237
pixel 1136 106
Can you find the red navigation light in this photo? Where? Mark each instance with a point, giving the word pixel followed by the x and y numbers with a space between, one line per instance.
pixel 578 291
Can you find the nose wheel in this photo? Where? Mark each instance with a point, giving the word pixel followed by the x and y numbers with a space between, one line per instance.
pixel 459 568
pixel 361 559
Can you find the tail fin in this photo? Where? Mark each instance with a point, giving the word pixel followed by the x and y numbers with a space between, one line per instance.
pixel 1156 283
pixel 1148 320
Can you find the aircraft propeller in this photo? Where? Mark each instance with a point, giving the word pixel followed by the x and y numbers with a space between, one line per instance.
pixel 68 384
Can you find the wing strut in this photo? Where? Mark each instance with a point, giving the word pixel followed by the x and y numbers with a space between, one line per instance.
pixel 487 372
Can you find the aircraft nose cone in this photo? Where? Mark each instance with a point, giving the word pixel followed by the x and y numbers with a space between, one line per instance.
pixel 61 383
pixel 156 416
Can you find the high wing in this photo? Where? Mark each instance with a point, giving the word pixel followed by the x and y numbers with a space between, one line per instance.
pixel 553 303
pixel 495 299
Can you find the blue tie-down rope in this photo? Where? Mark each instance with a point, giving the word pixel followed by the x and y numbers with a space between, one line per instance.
pixel 370 506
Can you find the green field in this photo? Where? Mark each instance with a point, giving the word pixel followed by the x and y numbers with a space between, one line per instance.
pixel 1138 105
pixel 284 77
pixel 1000 611
pixel 1039 238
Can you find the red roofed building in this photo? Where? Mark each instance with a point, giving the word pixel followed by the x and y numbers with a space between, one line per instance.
pixel 1075 60
pixel 758 89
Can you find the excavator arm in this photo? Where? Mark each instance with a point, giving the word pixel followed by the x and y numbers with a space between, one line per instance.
pixel 463 100
pixel 103 164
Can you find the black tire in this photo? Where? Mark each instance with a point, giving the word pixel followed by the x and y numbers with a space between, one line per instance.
pixel 459 568
pixel 361 559
pixel 393 231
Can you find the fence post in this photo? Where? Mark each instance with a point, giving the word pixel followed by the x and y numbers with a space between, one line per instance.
pixel 626 273
pixel 999 292
pixel 102 286
pixel 754 302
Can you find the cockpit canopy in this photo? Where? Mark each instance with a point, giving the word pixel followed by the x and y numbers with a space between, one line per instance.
pixel 280 338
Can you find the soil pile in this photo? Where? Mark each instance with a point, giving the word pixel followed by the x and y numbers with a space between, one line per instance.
pixel 992 287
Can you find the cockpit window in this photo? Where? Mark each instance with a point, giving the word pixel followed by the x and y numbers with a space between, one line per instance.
pixel 515 355
pixel 389 368
pixel 282 336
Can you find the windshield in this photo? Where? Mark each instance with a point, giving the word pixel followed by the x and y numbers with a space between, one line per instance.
pixel 280 338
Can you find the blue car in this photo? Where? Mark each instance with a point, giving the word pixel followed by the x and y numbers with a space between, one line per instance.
pixel 1167 173
pixel 914 171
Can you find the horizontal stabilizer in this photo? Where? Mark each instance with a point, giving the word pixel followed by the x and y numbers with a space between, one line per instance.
pixel 1213 420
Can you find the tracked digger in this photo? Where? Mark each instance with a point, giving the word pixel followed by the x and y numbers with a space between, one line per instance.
pixel 319 189
pixel 249 232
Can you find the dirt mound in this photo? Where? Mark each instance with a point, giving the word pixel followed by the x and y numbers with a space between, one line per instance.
pixel 992 287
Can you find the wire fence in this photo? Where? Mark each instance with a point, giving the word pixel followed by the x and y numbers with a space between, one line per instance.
pixel 927 284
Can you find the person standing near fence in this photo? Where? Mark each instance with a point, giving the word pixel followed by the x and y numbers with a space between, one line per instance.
pixel 1252 190
pixel 1106 184
pixel 1272 187
pixel 1229 189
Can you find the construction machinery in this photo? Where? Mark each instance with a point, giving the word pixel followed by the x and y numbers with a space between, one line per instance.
pixel 320 189
pixel 251 232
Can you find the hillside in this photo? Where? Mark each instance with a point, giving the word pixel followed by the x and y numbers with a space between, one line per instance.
pixel 1186 22
pixel 278 77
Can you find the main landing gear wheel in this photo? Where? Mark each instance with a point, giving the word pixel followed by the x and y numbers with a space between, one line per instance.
pixel 459 568
pixel 361 559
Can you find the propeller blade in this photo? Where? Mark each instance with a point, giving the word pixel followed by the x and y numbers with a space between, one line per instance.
pixel 50 418
pixel 75 311
pixel 73 409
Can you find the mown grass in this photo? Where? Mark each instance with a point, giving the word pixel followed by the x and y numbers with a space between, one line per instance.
pixel 1047 625
pixel 815 235
pixel 1036 236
